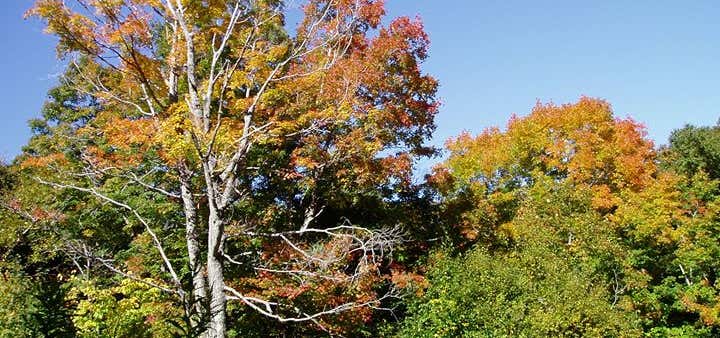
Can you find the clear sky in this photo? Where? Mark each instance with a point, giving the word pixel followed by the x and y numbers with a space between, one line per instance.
pixel 656 61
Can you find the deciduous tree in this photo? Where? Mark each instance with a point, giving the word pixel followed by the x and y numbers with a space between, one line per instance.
pixel 214 119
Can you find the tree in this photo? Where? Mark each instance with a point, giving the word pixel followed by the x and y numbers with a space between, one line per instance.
pixel 213 120
pixel 694 149
pixel 31 285
pixel 19 304
pixel 581 143
pixel 572 185
pixel 543 285
pixel 672 228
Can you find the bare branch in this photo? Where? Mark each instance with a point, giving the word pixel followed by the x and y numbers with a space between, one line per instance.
pixel 265 307
pixel 156 240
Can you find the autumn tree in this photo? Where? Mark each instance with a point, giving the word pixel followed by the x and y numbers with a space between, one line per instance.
pixel 580 143
pixel 672 228
pixel 570 190
pixel 533 209
pixel 258 144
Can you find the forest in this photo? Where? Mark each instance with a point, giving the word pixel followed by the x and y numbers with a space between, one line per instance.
pixel 201 169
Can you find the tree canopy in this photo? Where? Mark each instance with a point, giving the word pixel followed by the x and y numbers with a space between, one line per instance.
pixel 204 169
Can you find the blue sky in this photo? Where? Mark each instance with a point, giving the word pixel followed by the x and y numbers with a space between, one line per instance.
pixel 656 61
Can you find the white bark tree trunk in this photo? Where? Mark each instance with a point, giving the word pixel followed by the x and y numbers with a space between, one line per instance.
pixel 193 248
pixel 215 276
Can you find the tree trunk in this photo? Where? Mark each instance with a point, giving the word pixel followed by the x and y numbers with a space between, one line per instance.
pixel 215 275
pixel 193 248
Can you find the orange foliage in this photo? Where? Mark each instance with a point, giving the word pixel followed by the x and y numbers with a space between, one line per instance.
pixel 43 161
pixel 322 285
pixel 579 142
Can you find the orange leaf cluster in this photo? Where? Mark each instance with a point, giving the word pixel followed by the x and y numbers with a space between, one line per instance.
pixel 580 142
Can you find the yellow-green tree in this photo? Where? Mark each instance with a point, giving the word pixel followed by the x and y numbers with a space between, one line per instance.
pixel 575 186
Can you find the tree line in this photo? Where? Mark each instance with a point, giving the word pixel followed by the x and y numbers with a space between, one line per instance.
pixel 203 169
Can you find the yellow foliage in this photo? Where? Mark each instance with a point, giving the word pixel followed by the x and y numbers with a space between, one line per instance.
pixel 173 137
